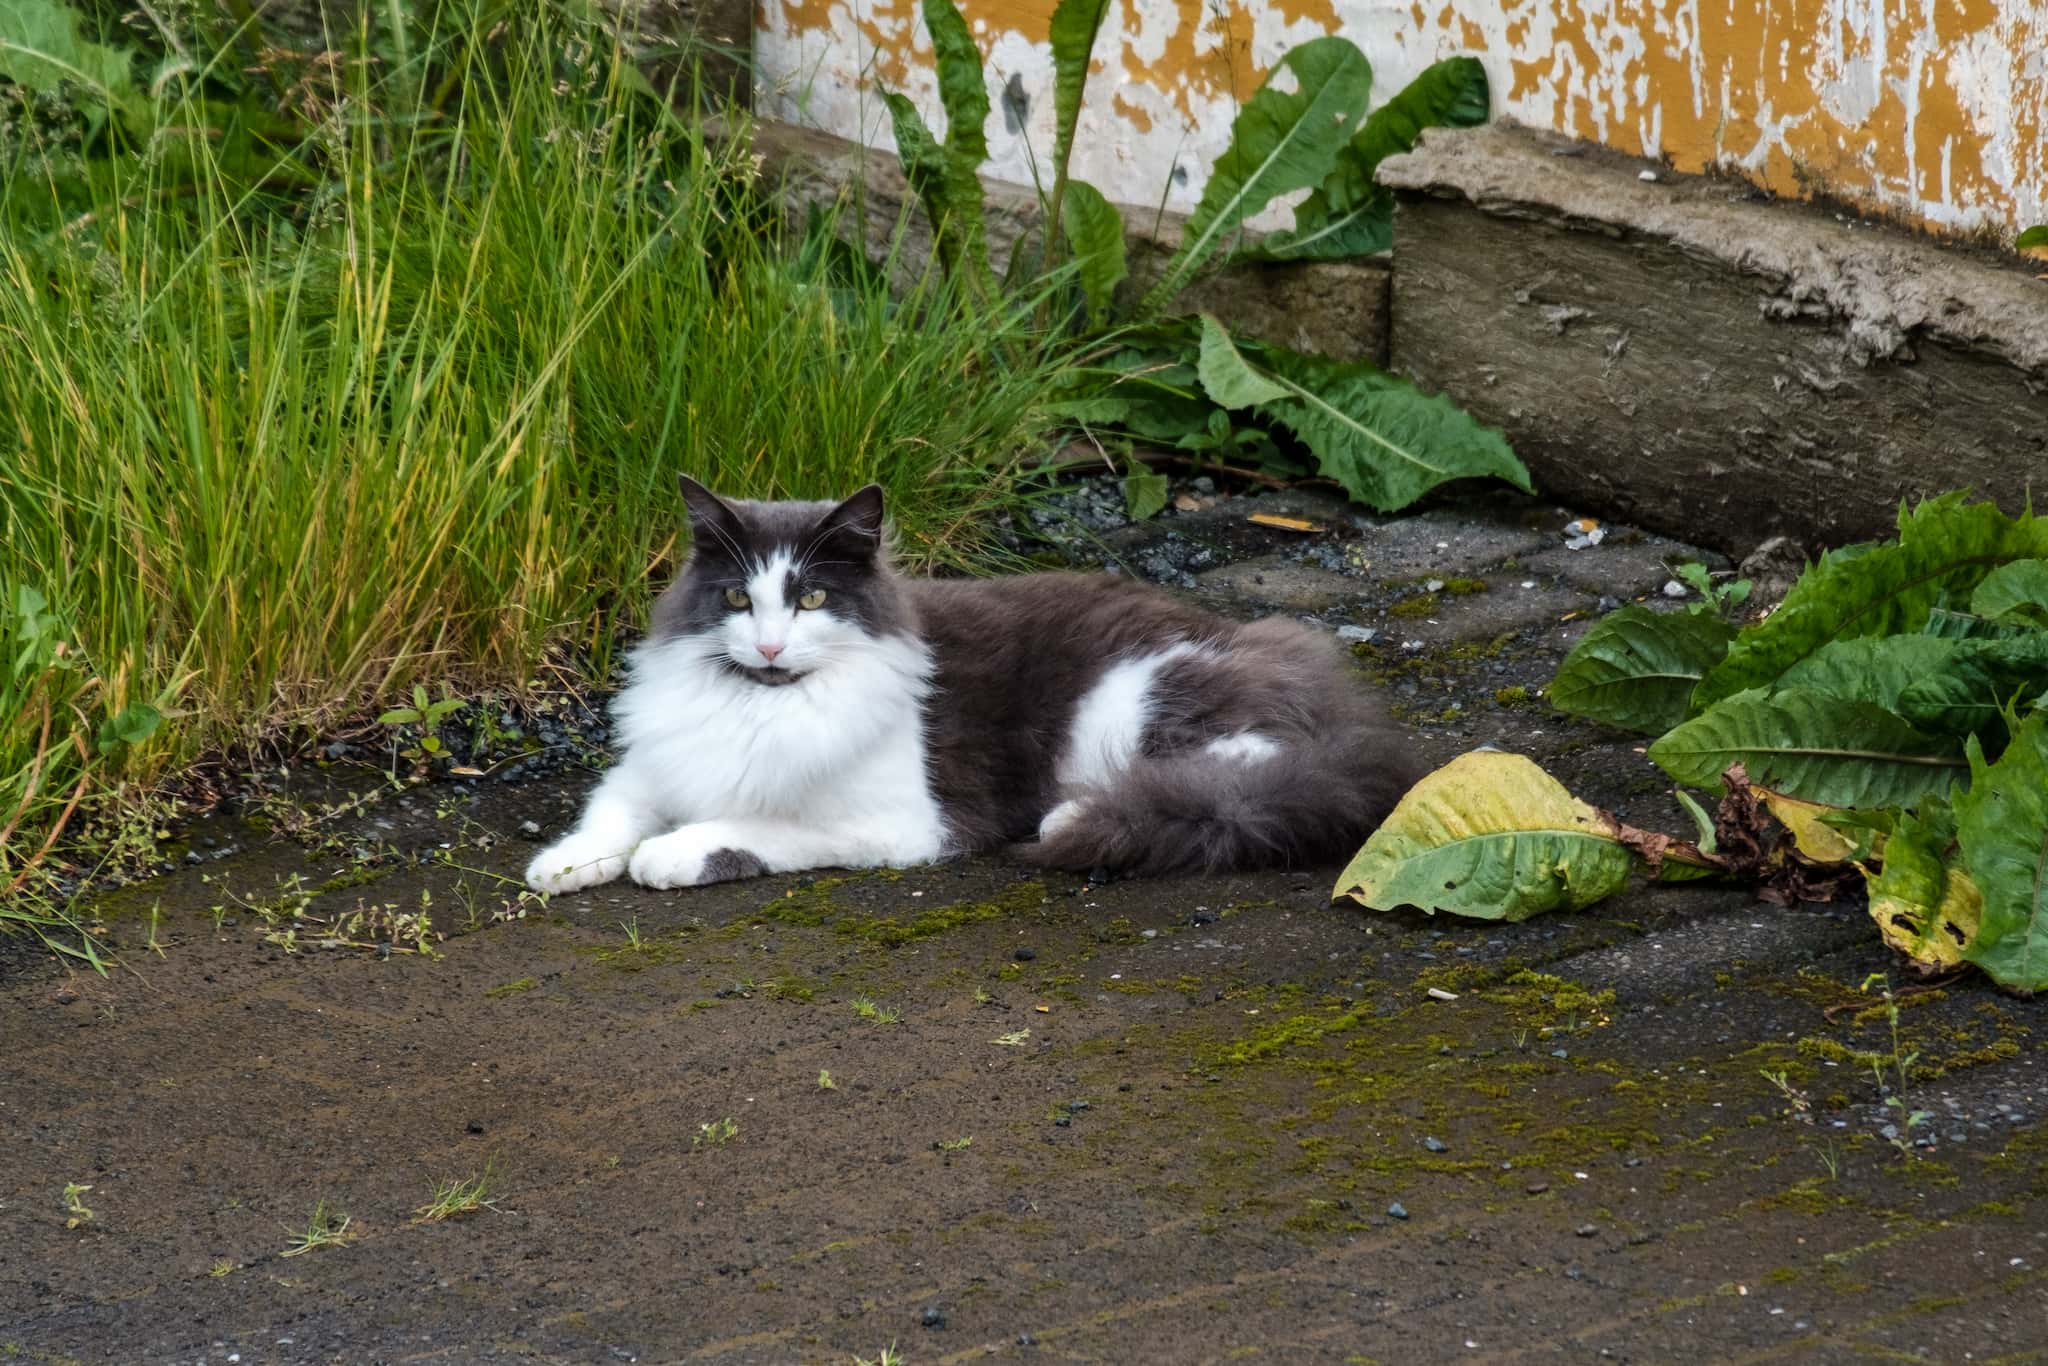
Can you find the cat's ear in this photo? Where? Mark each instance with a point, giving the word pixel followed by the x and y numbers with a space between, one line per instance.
pixel 856 523
pixel 711 517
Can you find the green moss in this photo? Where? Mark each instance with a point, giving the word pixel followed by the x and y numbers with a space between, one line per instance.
pixel 511 988
pixel 1421 605
pixel 1293 1033
pixel 1516 696
pixel 1118 931
pixel 814 906
pixel 1466 587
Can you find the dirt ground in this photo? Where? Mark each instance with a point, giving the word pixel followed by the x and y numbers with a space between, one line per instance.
pixel 980 1113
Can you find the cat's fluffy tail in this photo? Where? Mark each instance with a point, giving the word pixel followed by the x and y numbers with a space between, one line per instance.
pixel 1306 804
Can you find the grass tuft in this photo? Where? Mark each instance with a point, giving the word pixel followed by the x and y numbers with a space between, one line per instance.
pixel 408 407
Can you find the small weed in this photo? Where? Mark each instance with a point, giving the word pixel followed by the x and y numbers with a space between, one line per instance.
pixel 635 941
pixel 1014 1039
pixel 1830 1159
pixel 156 912
pixel 889 1357
pixel 428 716
pixel 75 1207
pixel 1719 597
pixel 982 997
pixel 1907 1119
pixel 953 1145
pixel 327 1228
pixel 1799 1105
pixel 716 1133
pixel 825 1082
pixel 451 1198
pixel 874 1014
pixel 220 1268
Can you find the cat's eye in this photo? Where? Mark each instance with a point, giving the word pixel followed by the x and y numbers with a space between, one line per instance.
pixel 737 597
pixel 812 600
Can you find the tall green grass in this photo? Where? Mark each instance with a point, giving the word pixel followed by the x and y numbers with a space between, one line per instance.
pixel 271 455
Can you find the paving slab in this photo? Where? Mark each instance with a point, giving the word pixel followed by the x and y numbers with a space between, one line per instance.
pixel 1193 1119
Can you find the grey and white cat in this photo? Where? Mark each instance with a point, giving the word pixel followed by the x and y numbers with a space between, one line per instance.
pixel 798 704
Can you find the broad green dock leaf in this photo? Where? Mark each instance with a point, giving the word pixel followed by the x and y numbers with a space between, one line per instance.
pixel 1281 141
pixel 2002 826
pixel 1946 548
pixel 1637 668
pixel 1823 749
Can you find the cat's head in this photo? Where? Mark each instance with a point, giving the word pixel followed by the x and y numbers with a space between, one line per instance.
pixel 774 592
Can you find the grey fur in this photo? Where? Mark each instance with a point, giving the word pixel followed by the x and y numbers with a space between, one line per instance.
pixel 1015 656
pixel 730 865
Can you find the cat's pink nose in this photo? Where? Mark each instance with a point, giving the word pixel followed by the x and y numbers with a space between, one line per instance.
pixel 768 652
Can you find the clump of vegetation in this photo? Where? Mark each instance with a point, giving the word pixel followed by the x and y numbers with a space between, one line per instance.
pixel 453 1197
pixel 875 1014
pixel 327 1227
pixel 1188 381
pixel 1887 724
pixel 330 372
pixel 716 1133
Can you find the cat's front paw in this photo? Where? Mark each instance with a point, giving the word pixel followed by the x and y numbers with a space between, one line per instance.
pixel 691 857
pixel 574 863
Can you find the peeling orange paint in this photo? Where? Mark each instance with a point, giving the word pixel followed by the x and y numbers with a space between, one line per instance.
pixel 1930 109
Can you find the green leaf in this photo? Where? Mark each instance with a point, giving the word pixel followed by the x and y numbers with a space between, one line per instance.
pixel 2002 825
pixel 1488 835
pixel 1924 907
pixel 1226 376
pixel 134 723
pixel 2032 237
pixel 1945 549
pixel 399 716
pixel 962 89
pixel 1967 693
pixel 1637 668
pixel 41 48
pixel 1144 494
pixel 2014 593
pixel 1074 26
pixel 1280 142
pixel 1962 626
pixel 1349 214
pixel 951 197
pixel 1873 669
pixel 1818 748
pixel 1384 440
pixel 1095 234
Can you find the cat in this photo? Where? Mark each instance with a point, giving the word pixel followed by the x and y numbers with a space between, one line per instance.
pixel 799 704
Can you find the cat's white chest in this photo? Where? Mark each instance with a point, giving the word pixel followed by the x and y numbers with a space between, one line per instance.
pixel 844 750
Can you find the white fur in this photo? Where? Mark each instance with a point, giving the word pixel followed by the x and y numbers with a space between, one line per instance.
pixel 826 771
pixel 1109 725
pixel 1245 747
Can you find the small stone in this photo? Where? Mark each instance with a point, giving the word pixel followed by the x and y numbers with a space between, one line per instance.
pixel 1436 1145
pixel 1586 1230
pixel 1674 589
pixel 1559 1053
pixel 1536 1188
pixel 1063 1122
pixel 1397 1210
pixel 1357 635
pixel 1647 177
pixel 474 1127
pixel 1026 1340
pixel 1148 934
pixel 530 829
pixel 1025 955
pixel 933 1317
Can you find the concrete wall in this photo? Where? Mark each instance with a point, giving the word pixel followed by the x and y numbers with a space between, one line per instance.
pixel 1935 111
